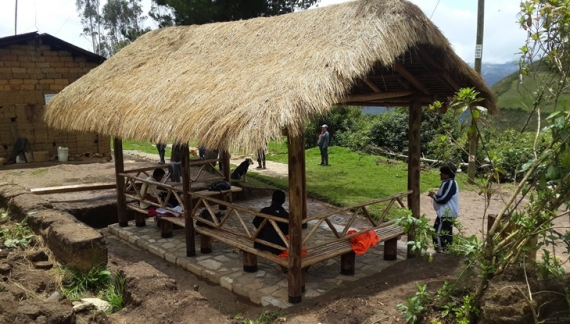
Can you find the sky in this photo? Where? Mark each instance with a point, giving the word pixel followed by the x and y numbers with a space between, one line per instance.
pixel 457 19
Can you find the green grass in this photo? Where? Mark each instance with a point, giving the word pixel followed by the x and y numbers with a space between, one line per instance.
pixel 97 279
pixel 147 147
pixel 39 172
pixel 351 178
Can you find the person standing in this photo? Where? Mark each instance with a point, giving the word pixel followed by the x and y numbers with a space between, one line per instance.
pixel 323 143
pixel 261 158
pixel 446 205
pixel 161 151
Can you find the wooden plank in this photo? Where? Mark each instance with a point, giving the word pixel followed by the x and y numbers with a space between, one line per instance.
pixel 410 77
pixel 73 188
pixel 296 200
pixel 375 96
pixel 120 180
pixel 414 154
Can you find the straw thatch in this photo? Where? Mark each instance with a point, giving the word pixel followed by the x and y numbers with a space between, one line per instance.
pixel 239 84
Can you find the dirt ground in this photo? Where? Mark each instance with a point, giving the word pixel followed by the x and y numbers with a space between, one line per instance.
pixel 172 295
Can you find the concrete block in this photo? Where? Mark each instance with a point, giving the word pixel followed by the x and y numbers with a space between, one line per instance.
pixel 21 205
pixel 194 268
pixel 227 282
pixel 77 245
pixel 41 156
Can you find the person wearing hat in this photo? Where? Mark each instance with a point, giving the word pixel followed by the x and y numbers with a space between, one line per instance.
pixel 323 143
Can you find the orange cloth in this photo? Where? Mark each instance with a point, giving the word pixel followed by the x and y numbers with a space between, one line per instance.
pixel 285 253
pixel 362 242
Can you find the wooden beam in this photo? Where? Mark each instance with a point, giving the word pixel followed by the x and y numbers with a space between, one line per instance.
pixel 296 153
pixel 375 96
pixel 120 180
pixel 425 56
pixel 414 153
pixel 372 85
pixel 409 77
pixel 188 206
pixel 73 188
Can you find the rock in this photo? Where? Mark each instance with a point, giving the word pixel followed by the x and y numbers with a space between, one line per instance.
pixel 82 307
pixel 100 304
pixel 41 320
pixel 4 254
pixel 3 161
pixel 56 297
pixel 99 318
pixel 37 256
pixel 44 265
pixel 5 269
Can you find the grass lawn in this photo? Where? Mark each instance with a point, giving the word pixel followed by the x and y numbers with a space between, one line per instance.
pixel 351 178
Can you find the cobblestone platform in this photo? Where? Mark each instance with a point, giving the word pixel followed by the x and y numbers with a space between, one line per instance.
pixel 267 286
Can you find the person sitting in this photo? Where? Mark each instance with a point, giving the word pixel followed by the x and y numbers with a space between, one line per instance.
pixel 268 232
pixel 149 192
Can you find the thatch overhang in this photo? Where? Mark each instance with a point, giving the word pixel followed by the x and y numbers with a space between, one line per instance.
pixel 239 84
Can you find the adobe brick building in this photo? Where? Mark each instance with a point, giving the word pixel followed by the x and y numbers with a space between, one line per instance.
pixel 33 68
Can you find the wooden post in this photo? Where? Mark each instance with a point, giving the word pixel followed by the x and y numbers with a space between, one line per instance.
pixel 120 168
pixel 391 249
pixel 188 220
pixel 304 205
pixel 347 263
pixel 296 169
pixel 225 162
pixel 414 166
pixel 205 244
pixel 249 262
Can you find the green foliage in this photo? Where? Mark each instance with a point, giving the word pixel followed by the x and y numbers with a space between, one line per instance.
pixel 198 12
pixel 550 267
pixel 114 293
pixel 265 317
pixel 423 230
pixel 118 23
pixel 17 235
pixel 415 306
pixel 143 146
pixel 97 279
pixel 351 178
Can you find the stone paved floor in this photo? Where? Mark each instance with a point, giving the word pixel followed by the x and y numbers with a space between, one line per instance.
pixel 268 286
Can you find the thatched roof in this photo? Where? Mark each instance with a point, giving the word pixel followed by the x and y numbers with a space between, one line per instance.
pixel 240 83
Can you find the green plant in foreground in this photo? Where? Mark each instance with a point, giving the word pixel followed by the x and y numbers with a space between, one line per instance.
pixel 265 318
pixel 18 235
pixel 114 293
pixel 97 279
pixel 415 306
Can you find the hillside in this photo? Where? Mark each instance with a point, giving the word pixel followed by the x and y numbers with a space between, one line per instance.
pixel 515 101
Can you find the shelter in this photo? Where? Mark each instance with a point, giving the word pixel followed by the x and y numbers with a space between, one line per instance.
pixel 239 84
pixel 33 68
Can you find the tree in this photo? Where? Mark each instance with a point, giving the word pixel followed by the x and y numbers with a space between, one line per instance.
pixel 526 223
pixel 91 21
pixel 189 12
pixel 118 24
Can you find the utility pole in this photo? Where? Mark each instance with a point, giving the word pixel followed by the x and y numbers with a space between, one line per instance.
pixel 474 137
pixel 16 19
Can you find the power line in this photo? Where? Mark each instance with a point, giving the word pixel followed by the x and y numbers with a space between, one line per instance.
pixel 437 4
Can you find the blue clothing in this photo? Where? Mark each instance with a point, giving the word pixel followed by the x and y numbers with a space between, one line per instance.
pixel 446 200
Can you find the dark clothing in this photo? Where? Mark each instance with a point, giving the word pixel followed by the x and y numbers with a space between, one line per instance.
pixel 323 144
pixel 443 233
pixel 161 151
pixel 261 158
pixel 268 233
pixel 175 169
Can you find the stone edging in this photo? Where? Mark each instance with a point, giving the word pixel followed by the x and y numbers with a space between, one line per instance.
pixel 73 243
pixel 191 265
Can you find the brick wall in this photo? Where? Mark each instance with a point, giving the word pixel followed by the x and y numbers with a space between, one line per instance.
pixel 27 73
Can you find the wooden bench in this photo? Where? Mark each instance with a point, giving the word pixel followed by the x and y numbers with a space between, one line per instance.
pixel 388 234
pixel 166 223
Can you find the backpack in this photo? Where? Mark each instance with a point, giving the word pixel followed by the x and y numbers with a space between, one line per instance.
pixel 205 214
pixel 220 186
